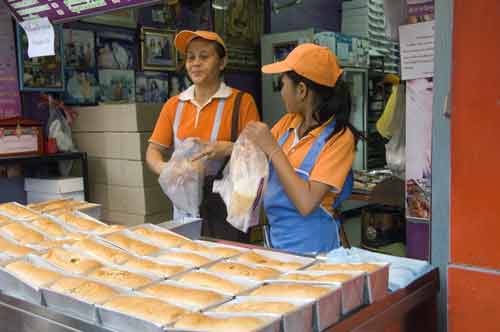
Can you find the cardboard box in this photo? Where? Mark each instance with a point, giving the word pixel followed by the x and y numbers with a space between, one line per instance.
pixel 58 185
pixel 117 118
pixel 132 173
pixel 36 197
pixel 140 201
pixel 129 146
pixel 128 219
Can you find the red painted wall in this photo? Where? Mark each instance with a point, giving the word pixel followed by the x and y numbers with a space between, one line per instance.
pixel 474 278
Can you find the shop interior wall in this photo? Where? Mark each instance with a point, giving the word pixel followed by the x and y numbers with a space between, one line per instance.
pixel 320 14
pixel 474 272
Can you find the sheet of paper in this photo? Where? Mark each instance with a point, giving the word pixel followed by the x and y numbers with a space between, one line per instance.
pixel 40 33
pixel 417 50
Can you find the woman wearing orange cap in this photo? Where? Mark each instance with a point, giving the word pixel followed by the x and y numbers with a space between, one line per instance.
pixel 209 110
pixel 311 150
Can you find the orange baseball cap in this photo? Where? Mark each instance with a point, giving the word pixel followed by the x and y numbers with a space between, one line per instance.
pixel 314 62
pixel 184 37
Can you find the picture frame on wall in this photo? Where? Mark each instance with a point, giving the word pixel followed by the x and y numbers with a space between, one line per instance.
pixel 117 86
pixel 115 50
pixel 241 27
pixel 41 74
pixel 151 87
pixel 125 18
pixel 157 49
pixel 82 87
pixel 79 49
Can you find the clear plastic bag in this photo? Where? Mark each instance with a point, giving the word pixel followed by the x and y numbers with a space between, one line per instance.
pixel 182 179
pixel 58 128
pixel 244 182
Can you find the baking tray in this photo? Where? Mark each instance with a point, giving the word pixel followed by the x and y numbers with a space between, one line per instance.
pixel 157 229
pixel 71 305
pixel 272 323
pixel 245 283
pixel 99 241
pixel 283 257
pixel 17 218
pixel 163 276
pixel 211 259
pixel 6 256
pixel 219 245
pixel 69 249
pixel 352 290
pixel 29 245
pixel 12 285
pixel 132 236
pixel 188 227
pixel 252 266
pixel 326 309
pixel 124 322
pixel 298 320
pixel 152 277
pixel 70 233
pixel 184 286
pixel 76 229
pixel 376 282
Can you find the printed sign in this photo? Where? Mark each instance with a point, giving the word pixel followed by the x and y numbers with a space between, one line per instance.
pixel 58 11
pixel 417 50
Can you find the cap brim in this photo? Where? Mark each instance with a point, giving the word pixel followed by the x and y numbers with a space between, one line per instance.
pixel 183 39
pixel 276 68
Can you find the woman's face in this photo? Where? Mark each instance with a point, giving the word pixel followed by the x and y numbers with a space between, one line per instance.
pixel 203 64
pixel 289 94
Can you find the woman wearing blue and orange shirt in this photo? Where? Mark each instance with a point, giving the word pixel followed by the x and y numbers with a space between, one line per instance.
pixel 311 151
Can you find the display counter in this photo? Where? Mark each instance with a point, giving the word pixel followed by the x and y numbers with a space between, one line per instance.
pixel 409 309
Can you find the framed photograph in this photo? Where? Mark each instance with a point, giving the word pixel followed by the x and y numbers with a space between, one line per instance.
pixel 151 87
pixel 43 74
pixel 126 18
pixel 178 83
pixel 115 50
pixel 157 49
pixel 280 51
pixel 241 27
pixel 82 87
pixel 79 49
pixel 179 15
pixel 117 86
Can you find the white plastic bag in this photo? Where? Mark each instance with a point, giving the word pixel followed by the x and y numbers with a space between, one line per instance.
pixel 182 179
pixel 244 182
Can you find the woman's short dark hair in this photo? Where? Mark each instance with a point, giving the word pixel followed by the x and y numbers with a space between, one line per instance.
pixel 333 101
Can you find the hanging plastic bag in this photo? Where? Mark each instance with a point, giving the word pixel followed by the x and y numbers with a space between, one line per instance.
pixel 182 179
pixel 395 149
pixel 58 127
pixel 244 182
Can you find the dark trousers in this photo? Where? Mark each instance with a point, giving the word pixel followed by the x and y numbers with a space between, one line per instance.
pixel 214 214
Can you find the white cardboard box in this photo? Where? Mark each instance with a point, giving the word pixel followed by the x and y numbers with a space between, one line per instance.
pixel 133 200
pixel 129 146
pixel 58 185
pixel 36 197
pixel 116 172
pixel 117 118
pixel 129 219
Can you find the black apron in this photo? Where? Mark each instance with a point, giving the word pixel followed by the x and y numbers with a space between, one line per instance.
pixel 213 209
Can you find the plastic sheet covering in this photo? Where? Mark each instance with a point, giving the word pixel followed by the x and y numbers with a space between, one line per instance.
pixel 244 181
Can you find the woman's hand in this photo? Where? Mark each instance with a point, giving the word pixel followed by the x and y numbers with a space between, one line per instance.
pixel 260 135
pixel 216 150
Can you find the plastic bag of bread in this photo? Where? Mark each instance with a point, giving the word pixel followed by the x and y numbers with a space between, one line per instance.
pixel 182 179
pixel 244 181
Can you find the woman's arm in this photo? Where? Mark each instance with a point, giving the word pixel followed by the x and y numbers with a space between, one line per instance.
pixel 305 195
pixel 155 158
